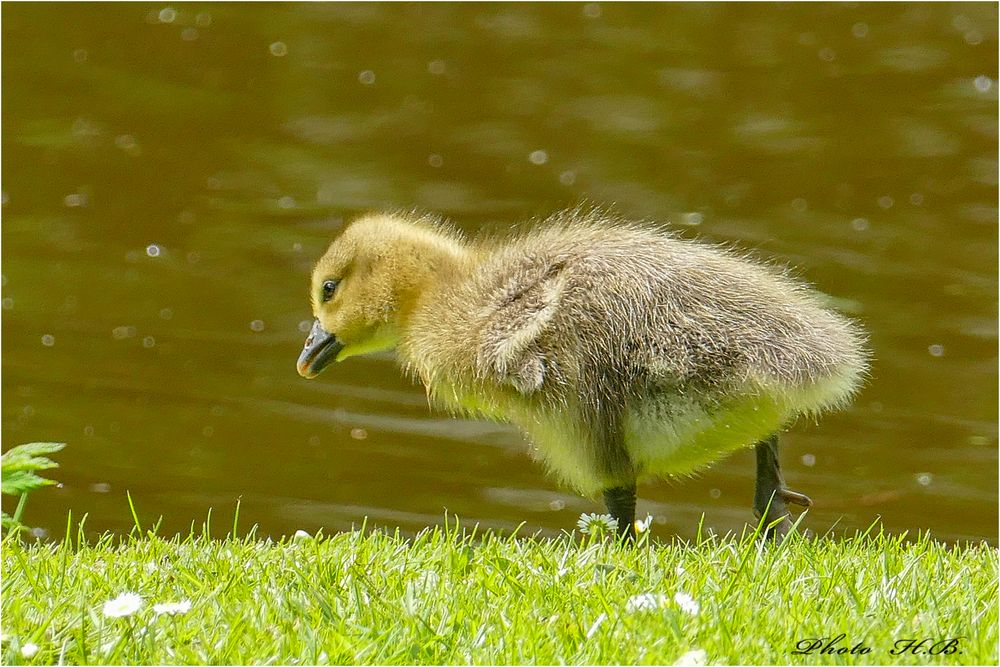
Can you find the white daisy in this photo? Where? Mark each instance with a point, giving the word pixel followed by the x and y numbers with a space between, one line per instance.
pixel 646 602
pixel 182 607
pixel 642 525
pixel 597 524
pixel 687 603
pixel 695 658
pixel 29 650
pixel 125 604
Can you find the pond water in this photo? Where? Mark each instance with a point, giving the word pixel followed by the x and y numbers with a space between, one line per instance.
pixel 170 174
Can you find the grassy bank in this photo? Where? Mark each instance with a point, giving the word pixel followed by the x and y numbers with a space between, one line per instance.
pixel 448 597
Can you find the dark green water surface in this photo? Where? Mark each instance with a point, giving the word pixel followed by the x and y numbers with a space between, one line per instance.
pixel 171 172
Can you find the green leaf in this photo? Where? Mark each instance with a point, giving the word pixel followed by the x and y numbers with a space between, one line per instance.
pixel 18 465
pixel 34 449
pixel 22 481
pixel 10 524
pixel 29 456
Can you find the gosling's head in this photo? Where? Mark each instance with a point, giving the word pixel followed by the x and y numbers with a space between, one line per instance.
pixel 367 281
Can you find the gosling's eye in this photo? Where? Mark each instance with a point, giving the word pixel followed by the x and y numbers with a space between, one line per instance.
pixel 329 287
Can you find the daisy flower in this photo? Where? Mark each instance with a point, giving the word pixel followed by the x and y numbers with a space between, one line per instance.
pixel 125 604
pixel 182 607
pixel 695 658
pixel 597 524
pixel 687 603
pixel 646 602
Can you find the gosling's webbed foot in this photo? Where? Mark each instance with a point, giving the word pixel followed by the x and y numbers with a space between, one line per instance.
pixel 795 498
pixel 777 511
pixel 772 497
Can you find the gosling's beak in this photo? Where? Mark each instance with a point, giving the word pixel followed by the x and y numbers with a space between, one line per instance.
pixel 320 350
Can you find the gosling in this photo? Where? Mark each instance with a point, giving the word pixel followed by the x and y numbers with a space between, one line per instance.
pixel 623 352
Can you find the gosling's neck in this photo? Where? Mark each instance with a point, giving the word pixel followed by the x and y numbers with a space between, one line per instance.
pixel 434 261
pixel 428 339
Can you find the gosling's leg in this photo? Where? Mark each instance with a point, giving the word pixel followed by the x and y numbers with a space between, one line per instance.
pixel 771 498
pixel 621 505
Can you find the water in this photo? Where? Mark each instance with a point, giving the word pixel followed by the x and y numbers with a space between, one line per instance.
pixel 172 172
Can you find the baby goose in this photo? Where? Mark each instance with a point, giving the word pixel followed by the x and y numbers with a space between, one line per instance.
pixel 622 351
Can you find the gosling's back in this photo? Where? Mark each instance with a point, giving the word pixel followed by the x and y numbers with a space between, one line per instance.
pixel 624 351
pixel 640 308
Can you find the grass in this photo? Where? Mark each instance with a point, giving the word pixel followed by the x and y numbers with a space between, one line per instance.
pixel 448 596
